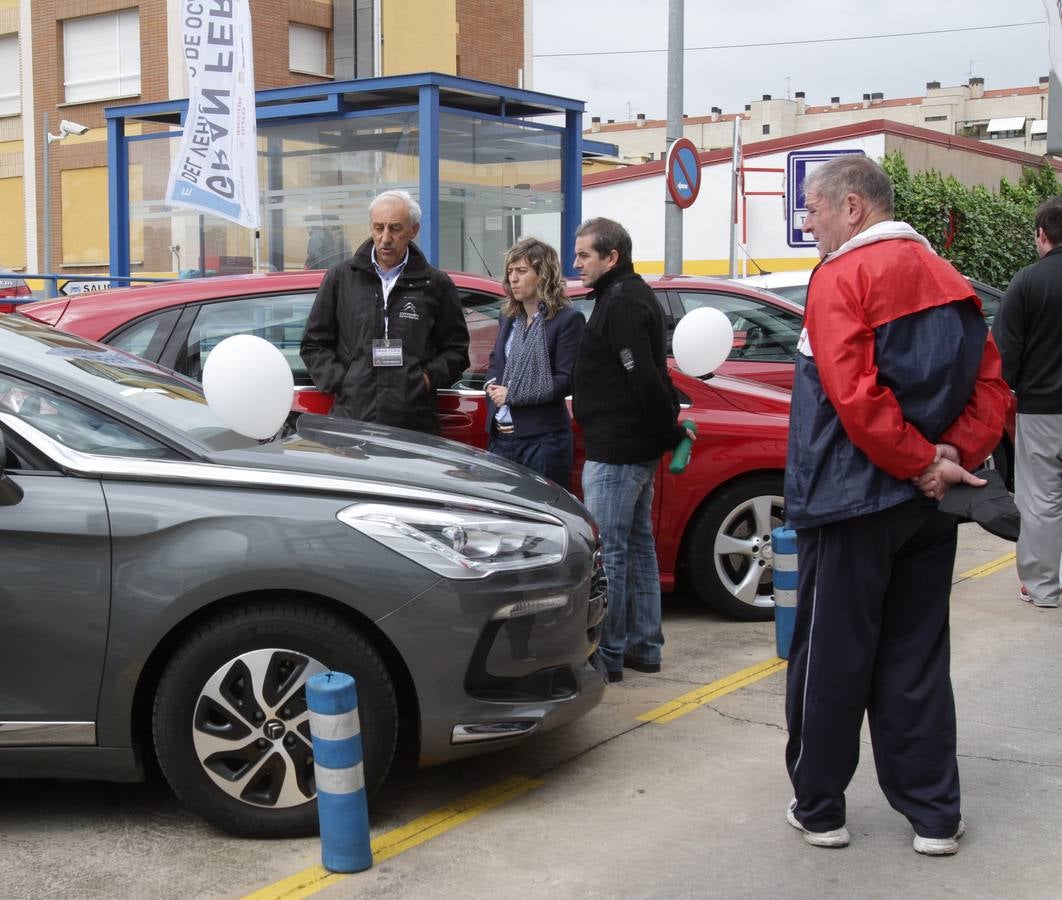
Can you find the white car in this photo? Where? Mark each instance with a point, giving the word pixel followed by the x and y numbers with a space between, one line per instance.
pixel 793 285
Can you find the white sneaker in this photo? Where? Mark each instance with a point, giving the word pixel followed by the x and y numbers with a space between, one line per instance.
pixel 837 837
pixel 939 846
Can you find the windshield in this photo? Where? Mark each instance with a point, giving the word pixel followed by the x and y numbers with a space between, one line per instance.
pixel 131 386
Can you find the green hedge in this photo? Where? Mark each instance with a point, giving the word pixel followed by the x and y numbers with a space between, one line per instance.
pixel 988 236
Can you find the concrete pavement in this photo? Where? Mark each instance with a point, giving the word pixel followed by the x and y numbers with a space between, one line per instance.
pixel 617 807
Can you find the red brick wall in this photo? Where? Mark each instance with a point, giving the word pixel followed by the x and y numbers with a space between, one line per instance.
pixel 48 92
pixel 490 40
pixel 270 20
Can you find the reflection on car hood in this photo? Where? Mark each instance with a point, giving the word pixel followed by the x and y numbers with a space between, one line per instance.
pixel 740 393
pixel 336 447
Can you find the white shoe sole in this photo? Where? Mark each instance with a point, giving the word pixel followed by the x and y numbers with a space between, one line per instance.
pixel 939 846
pixel 837 837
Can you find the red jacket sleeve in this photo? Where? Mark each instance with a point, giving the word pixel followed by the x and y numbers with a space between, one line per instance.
pixel 978 429
pixel 843 346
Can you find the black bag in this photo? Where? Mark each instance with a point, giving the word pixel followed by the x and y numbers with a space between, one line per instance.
pixel 992 506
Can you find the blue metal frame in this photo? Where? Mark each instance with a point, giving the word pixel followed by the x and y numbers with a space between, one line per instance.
pixel 429 171
pixel 429 94
pixel 118 195
pixel 571 187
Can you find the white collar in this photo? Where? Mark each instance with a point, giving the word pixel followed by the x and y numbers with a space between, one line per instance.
pixel 881 231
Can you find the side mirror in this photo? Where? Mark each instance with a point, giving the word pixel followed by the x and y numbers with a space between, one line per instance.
pixel 10 493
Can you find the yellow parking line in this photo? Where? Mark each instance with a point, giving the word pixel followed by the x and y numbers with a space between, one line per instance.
pixel 695 699
pixel 317 878
pixel 989 567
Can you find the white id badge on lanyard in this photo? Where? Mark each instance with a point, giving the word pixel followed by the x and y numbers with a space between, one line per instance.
pixel 387 352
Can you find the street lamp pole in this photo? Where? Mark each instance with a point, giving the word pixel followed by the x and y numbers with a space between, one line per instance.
pixel 49 285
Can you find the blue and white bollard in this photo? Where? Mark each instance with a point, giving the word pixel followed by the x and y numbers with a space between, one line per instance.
pixel 784 547
pixel 337 764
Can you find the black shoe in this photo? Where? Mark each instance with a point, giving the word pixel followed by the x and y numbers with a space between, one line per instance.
pixel 613 675
pixel 650 668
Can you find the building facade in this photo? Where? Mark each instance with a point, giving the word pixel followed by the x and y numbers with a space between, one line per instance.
pixel 1014 118
pixel 71 59
pixel 767 236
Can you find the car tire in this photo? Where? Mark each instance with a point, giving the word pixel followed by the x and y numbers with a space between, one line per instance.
pixel 249 769
pixel 729 556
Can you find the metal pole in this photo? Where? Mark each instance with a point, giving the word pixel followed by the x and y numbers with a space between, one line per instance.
pixel 672 212
pixel 1054 114
pixel 734 175
pixel 49 283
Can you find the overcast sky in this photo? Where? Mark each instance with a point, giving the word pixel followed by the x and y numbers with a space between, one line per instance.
pixel 618 86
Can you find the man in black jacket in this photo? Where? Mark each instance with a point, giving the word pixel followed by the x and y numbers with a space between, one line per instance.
pixel 386 330
pixel 1028 330
pixel 627 408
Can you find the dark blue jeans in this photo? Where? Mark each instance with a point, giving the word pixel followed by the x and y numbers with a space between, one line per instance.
pixel 620 498
pixel 548 454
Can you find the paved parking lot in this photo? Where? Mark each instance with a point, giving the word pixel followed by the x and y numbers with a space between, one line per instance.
pixel 629 801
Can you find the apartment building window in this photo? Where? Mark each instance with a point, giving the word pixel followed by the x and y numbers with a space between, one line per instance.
pixel 11 87
pixel 101 56
pixel 936 119
pixel 766 129
pixel 307 49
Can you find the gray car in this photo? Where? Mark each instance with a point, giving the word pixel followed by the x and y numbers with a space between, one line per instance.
pixel 168 587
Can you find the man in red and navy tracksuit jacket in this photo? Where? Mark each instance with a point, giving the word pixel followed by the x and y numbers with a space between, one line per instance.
pixel 898 393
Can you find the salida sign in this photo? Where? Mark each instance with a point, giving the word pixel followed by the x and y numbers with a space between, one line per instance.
pixel 216 169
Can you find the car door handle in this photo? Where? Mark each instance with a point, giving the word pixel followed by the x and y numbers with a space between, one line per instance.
pixel 454 420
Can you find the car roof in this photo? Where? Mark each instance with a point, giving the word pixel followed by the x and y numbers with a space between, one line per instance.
pixel 165 294
pixel 702 283
pixel 789 278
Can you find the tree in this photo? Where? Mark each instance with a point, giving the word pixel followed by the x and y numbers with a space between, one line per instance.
pixel 988 236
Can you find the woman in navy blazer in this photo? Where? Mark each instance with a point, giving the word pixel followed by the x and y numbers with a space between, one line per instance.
pixel 530 370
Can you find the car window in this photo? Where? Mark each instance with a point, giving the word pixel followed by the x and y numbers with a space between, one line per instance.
pixel 73 424
pixel 482 312
pixel 989 303
pixel 586 303
pixel 278 318
pixel 762 332
pixel 147 336
pixel 795 293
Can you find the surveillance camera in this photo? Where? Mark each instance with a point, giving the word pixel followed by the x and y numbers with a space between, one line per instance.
pixel 68 127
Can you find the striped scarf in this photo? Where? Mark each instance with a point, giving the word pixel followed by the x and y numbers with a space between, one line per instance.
pixel 528 375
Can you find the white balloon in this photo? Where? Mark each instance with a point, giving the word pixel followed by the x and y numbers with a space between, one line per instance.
pixel 249 384
pixel 703 339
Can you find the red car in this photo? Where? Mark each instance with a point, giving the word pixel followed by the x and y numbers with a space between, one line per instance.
pixel 713 522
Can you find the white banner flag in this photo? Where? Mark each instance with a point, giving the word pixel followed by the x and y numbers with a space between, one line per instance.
pixel 1053 8
pixel 216 170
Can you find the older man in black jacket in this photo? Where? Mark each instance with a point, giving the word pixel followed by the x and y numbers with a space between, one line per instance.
pixel 627 408
pixel 1028 330
pixel 386 330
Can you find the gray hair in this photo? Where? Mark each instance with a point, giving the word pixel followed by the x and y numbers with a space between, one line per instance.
pixel 402 197
pixel 852 173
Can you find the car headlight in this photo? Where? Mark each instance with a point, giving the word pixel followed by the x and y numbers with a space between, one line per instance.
pixel 459 543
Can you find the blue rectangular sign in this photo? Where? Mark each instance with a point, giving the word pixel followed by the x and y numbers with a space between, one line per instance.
pixel 799 165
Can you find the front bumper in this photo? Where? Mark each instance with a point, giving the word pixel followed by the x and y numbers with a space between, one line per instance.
pixel 484 682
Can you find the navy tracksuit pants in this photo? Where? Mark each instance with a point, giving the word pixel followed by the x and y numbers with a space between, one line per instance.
pixel 871 635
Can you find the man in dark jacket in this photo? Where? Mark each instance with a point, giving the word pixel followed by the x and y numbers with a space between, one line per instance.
pixel 1028 329
pixel 897 390
pixel 386 330
pixel 627 408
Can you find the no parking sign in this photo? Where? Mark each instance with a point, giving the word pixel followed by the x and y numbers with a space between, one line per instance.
pixel 682 166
